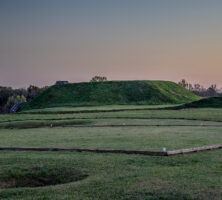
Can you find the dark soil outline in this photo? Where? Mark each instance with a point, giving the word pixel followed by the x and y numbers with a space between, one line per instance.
pixel 142 125
pixel 94 111
pixel 83 118
pixel 115 126
pixel 175 107
pixel 152 153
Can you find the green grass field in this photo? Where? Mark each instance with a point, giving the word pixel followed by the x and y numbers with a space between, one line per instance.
pixel 88 176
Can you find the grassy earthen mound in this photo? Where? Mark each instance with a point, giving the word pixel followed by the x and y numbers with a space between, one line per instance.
pixel 112 93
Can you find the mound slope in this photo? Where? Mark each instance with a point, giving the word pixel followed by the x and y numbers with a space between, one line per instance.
pixel 112 92
pixel 211 102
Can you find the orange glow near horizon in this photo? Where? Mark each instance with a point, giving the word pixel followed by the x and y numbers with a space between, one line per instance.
pixel 123 40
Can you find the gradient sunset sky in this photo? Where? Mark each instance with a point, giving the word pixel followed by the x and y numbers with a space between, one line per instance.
pixel 42 41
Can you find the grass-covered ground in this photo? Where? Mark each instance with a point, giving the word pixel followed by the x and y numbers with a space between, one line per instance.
pixel 118 138
pixel 203 114
pixel 75 175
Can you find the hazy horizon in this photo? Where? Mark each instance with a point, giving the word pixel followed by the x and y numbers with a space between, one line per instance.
pixel 48 40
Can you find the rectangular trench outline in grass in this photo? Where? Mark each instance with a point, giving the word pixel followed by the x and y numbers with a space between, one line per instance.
pixel 151 153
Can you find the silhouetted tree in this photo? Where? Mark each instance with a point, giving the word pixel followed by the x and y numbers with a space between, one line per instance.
pixel 98 79
pixel 196 87
pixel 190 87
pixel 5 93
pixel 32 91
pixel 184 83
pixel 212 90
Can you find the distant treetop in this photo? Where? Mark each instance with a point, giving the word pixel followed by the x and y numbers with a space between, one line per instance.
pixel 98 79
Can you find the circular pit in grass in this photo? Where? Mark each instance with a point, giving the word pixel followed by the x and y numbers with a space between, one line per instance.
pixel 39 176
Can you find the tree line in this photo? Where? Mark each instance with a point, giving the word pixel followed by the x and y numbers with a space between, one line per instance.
pixel 199 90
pixel 10 96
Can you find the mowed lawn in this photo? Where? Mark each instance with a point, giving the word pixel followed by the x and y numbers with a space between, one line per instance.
pixel 112 176
pixel 203 114
pixel 125 138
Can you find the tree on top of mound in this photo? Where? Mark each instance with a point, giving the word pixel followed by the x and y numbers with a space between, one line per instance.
pixel 98 79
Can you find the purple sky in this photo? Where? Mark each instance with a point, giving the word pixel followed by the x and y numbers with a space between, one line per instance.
pixel 47 40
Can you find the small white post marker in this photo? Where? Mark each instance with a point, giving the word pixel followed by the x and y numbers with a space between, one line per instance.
pixel 164 149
